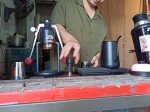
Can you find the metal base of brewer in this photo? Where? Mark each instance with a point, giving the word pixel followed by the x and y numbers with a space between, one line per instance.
pixel 49 73
pixel 138 73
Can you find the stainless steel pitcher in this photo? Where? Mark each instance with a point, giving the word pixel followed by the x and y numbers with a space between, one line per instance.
pixel 18 70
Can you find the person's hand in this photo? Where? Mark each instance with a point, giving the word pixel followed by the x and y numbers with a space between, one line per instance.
pixel 67 49
pixel 70 44
pixel 96 60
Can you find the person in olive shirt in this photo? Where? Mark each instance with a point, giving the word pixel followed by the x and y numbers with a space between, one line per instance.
pixel 81 27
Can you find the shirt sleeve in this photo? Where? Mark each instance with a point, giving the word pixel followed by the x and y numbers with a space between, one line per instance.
pixel 58 14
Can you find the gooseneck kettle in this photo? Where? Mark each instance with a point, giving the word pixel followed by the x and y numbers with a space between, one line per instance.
pixel 110 54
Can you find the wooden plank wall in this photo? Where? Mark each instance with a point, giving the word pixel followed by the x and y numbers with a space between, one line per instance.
pixel 118 15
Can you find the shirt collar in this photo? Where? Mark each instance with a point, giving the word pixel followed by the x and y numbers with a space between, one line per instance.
pixel 80 2
pixel 98 13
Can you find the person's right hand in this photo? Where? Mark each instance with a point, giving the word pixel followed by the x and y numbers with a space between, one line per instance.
pixel 71 45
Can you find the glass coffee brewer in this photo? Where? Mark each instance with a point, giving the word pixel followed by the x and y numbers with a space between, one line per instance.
pixel 141 40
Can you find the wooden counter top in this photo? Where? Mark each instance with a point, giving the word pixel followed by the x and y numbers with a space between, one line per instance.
pixel 37 89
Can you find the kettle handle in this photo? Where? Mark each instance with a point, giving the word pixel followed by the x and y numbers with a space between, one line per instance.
pixel 119 38
pixel 117 48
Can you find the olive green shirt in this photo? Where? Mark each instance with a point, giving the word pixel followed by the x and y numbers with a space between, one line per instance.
pixel 89 32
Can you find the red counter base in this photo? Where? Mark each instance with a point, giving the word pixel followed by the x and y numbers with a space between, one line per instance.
pixel 74 91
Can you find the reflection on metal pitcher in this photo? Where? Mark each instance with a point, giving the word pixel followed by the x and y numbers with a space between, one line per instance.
pixel 18 71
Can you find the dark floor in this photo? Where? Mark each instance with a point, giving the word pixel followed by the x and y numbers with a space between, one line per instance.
pixel 142 109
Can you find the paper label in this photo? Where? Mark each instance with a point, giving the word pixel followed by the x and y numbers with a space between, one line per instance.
pixel 145 43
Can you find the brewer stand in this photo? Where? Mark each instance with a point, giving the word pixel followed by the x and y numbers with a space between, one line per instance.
pixel 48 37
pixel 48 73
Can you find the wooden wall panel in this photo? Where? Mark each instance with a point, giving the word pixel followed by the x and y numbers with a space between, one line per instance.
pixel 113 11
pixel 118 15
pixel 132 7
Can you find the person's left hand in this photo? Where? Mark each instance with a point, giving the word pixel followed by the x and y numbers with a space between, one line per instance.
pixel 96 60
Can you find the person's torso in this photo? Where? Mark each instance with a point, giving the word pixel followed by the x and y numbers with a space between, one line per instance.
pixel 89 32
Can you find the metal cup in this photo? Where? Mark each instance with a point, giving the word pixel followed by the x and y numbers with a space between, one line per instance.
pixel 18 71
pixel 85 64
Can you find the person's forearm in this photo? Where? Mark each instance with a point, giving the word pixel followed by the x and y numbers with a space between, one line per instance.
pixel 98 55
pixel 66 37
